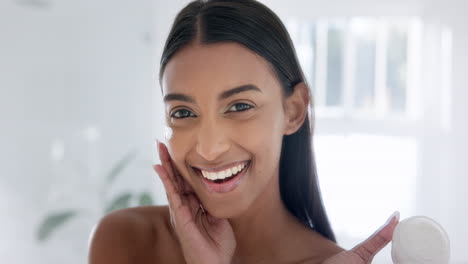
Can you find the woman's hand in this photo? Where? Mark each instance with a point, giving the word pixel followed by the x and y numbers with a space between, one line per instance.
pixel 203 238
pixel 365 252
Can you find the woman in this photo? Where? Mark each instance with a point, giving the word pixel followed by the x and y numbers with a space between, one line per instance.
pixel 238 168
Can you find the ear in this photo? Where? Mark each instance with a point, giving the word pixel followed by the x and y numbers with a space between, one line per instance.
pixel 296 108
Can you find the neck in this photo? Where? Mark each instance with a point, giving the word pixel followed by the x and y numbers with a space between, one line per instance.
pixel 261 230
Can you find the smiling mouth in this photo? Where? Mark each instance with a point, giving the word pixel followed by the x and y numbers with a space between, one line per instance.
pixel 224 176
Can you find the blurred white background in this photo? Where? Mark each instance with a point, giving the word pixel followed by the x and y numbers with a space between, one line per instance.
pixel 80 110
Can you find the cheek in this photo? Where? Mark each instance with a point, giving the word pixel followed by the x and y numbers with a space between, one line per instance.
pixel 177 144
pixel 262 137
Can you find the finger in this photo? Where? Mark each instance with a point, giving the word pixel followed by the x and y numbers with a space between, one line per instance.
pixel 173 197
pixel 194 203
pixel 181 185
pixel 369 248
pixel 186 188
pixel 164 157
pixel 169 166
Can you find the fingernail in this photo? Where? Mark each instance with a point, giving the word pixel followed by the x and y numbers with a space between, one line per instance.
pixel 158 146
pixel 395 214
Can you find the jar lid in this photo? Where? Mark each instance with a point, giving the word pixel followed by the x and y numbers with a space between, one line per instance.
pixel 420 240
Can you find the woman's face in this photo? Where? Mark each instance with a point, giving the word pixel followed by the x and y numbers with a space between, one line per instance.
pixel 208 130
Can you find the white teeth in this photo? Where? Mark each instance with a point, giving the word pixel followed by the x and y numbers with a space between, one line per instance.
pixel 212 176
pixel 223 174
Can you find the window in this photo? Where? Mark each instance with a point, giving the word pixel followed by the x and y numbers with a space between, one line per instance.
pixel 358 66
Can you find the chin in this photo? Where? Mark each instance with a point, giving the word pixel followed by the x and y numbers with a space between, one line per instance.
pixel 227 210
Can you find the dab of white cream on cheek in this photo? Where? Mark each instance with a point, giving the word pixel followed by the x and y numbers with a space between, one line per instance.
pixel 168 133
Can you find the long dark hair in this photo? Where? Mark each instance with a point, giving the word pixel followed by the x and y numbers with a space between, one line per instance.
pixel 256 27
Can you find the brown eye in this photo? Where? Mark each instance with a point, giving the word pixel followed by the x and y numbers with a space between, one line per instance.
pixel 240 107
pixel 182 113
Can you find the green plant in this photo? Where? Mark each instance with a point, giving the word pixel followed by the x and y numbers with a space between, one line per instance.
pixel 55 220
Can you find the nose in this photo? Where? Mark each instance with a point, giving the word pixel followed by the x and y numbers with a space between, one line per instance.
pixel 212 140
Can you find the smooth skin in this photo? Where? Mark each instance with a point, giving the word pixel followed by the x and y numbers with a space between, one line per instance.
pixel 249 224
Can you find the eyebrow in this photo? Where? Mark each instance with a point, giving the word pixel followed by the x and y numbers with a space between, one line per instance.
pixel 222 96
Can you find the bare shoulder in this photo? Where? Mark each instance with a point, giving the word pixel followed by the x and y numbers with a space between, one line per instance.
pixel 316 248
pixel 134 235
